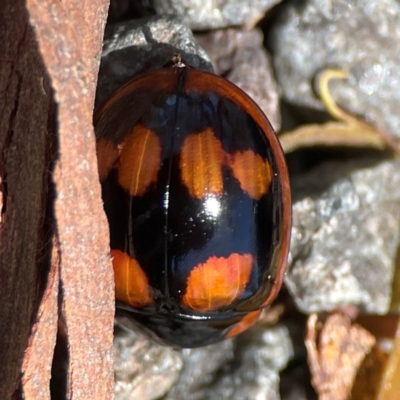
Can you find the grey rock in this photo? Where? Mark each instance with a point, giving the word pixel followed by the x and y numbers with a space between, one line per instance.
pixel 143 369
pixel 131 47
pixel 245 369
pixel 345 236
pixel 211 14
pixel 200 367
pixel 361 36
pixel 241 58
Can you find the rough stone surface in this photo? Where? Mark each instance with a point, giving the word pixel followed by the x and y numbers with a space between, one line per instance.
pixel 143 369
pixel 361 36
pixel 345 235
pixel 244 369
pixel 240 57
pixel 211 14
pixel 136 46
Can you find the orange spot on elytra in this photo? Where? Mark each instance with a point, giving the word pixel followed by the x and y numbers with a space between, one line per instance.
pixel 139 161
pixel 131 284
pixel 107 155
pixel 218 282
pixel 253 173
pixel 245 323
pixel 201 162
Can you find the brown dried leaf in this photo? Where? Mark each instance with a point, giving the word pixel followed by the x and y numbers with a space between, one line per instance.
pixel 369 375
pixel 348 132
pixel 336 355
pixel 330 134
pixel 390 386
pixel 395 298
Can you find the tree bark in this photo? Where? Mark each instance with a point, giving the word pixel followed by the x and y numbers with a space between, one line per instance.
pixel 53 231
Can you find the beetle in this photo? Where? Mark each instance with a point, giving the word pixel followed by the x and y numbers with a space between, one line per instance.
pixel 196 192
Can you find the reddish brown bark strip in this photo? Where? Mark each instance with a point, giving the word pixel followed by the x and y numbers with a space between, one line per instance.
pixel 38 358
pixel 25 118
pixel 69 34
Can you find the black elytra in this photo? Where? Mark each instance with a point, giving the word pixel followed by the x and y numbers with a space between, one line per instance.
pixel 196 192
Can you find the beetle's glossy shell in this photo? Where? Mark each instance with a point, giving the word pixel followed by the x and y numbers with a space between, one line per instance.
pixel 196 191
